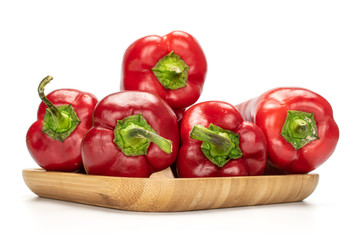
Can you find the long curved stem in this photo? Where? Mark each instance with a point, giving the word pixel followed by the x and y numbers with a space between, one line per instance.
pixel 61 121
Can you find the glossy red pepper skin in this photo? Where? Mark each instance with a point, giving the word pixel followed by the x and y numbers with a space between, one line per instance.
pixel 269 111
pixel 192 162
pixel 142 55
pixel 53 155
pixel 179 114
pixel 101 156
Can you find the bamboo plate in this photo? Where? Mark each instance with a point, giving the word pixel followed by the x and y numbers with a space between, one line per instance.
pixel 161 193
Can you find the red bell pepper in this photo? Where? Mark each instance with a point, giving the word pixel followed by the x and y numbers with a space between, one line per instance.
pixel 217 142
pixel 173 66
pixel 134 134
pixel 299 127
pixel 64 116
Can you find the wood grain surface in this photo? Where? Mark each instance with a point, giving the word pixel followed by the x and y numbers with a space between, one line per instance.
pixel 167 194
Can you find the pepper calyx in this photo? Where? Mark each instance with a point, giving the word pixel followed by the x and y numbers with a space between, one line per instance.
pixel 219 145
pixel 299 128
pixel 171 71
pixel 133 136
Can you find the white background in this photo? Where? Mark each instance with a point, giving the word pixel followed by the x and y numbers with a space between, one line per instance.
pixel 251 47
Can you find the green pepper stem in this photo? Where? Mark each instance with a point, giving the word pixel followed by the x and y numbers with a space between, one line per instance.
pixel 163 143
pixel 201 133
pixel 299 128
pixel 61 121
